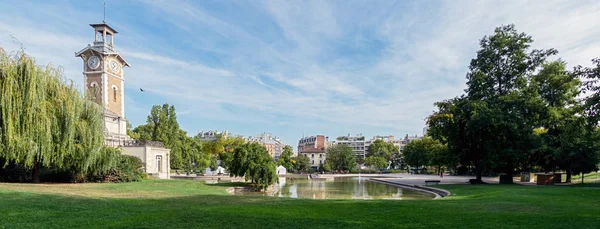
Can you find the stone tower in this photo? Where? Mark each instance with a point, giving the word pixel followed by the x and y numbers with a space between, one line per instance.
pixel 103 80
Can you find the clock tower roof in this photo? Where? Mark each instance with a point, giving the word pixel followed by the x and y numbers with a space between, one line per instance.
pixel 103 43
pixel 102 27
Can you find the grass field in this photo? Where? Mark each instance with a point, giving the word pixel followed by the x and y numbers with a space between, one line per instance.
pixel 191 204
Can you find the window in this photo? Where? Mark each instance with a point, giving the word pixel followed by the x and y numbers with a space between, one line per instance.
pixel 94 89
pixel 320 155
pixel 320 162
pixel 114 94
pixel 159 163
pixel 312 155
pixel 313 162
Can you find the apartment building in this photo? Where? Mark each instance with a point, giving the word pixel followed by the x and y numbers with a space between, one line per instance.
pixel 314 147
pixel 356 143
pixel 273 144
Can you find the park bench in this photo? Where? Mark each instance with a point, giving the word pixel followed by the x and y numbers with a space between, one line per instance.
pixel 427 182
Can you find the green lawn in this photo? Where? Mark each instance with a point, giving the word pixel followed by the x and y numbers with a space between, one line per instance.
pixel 191 204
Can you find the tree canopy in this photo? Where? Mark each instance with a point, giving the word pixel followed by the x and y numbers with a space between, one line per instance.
pixel 252 161
pixel 341 157
pixel 519 109
pixel 380 148
pixel 46 122
pixel 161 125
pixel 285 159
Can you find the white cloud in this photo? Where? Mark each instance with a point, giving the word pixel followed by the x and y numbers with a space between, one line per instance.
pixel 315 66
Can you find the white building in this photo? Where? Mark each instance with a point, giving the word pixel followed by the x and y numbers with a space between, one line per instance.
pixel 208 135
pixel 273 144
pixel 155 157
pixel 356 143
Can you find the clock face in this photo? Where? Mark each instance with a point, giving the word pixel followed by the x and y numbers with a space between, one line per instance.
pixel 93 62
pixel 114 66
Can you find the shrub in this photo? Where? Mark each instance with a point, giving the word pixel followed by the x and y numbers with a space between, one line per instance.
pixel 128 169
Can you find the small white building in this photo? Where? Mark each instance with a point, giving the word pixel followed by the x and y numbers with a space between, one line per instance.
pixel 218 171
pixel 281 170
pixel 155 157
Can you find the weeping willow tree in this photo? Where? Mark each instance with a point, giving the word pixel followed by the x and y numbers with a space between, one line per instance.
pixel 45 122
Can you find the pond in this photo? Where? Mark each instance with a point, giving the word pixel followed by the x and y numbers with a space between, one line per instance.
pixel 340 188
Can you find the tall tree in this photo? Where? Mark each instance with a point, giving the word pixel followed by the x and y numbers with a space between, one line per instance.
pixel 301 163
pixel 426 151
pixel 380 148
pixel 377 162
pixel 253 162
pixel 162 126
pixel 45 122
pixel 341 157
pixel 285 159
pixel 492 125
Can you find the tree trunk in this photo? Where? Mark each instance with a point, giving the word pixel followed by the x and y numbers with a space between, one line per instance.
pixel 478 173
pixel 35 176
pixel 582 175
pixel 507 178
pixel 568 176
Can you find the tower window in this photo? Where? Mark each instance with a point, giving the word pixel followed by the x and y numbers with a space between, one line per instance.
pixel 94 89
pixel 114 93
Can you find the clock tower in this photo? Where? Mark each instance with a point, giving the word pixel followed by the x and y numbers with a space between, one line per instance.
pixel 103 80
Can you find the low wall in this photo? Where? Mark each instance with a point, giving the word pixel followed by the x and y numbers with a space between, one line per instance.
pixel 438 193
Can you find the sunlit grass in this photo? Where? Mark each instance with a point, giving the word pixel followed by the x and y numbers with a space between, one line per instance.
pixel 192 204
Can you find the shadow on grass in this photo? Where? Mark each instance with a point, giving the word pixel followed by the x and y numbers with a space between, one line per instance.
pixel 230 184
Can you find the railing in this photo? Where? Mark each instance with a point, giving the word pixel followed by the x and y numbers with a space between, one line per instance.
pixel 142 143
pixel 131 143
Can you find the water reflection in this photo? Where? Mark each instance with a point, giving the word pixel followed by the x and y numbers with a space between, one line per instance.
pixel 340 188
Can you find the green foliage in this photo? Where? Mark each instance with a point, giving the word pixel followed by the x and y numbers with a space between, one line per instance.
pixel 222 147
pixel 325 167
pixel 253 162
pixel 380 148
pixel 377 162
pixel 44 121
pixel 341 157
pixel 520 111
pixel 161 125
pixel 301 163
pixel 591 76
pixel 127 169
pixel 285 159
pixel 131 133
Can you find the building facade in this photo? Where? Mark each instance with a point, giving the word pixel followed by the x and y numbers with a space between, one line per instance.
pixel 356 143
pixel 315 148
pixel 103 80
pixel 273 144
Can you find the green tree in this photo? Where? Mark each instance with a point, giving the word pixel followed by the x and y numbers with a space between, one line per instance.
pixel 285 159
pixel 380 148
pixel 341 157
pixel 592 87
pixel 253 162
pixel 301 163
pixel 131 133
pixel 492 125
pixel 161 125
pixel 377 162
pixel 417 152
pixel 46 122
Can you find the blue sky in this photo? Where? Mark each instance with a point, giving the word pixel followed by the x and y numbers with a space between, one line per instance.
pixel 294 68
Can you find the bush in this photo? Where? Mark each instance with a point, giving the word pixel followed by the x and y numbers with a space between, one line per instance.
pixel 14 172
pixel 128 169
